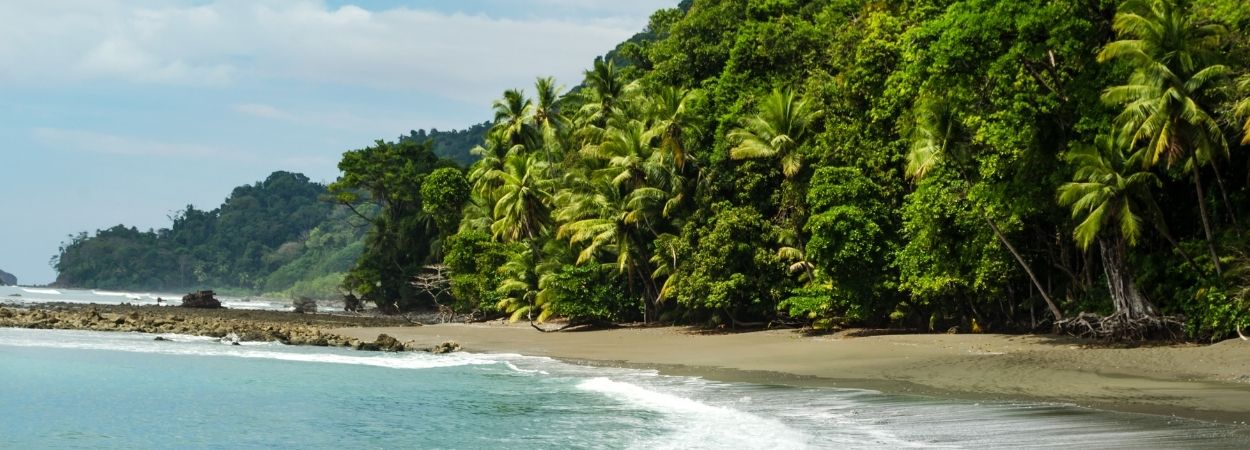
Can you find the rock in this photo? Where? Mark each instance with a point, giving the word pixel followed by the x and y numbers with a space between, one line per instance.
pixel 304 305
pixel 446 347
pixel 202 299
pixel 159 338
pixel 383 343
pixel 7 279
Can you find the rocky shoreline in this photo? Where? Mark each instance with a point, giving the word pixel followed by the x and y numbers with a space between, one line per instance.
pixel 238 325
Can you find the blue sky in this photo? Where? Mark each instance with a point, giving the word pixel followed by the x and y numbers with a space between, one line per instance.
pixel 124 111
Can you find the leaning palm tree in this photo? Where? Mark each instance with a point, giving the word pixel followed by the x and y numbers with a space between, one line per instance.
pixel 1106 196
pixel 1170 55
pixel 938 139
pixel 778 130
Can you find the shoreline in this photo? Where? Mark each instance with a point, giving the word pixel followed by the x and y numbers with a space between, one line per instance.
pixel 1210 382
pixel 1202 382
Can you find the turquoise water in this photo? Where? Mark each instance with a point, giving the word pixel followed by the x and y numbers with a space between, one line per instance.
pixel 77 389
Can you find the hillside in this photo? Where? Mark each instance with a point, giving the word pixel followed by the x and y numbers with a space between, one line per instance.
pixel 258 231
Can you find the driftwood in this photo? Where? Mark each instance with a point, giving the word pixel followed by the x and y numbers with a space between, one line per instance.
pixel 588 323
pixel 1120 327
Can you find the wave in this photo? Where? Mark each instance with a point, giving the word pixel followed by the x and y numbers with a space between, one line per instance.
pixel 129 295
pixel 42 291
pixel 700 425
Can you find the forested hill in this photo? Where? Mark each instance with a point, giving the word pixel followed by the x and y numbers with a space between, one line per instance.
pixel 980 164
pixel 268 235
pixel 456 145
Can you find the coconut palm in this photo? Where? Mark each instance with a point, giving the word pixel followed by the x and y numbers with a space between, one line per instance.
pixel 523 211
pixel 511 113
pixel 1106 196
pixel 673 121
pixel 779 129
pixel 605 90
pixel 938 139
pixel 1163 100
pixel 616 223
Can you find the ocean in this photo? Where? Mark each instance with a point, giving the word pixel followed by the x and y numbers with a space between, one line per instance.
pixel 22 295
pixel 82 389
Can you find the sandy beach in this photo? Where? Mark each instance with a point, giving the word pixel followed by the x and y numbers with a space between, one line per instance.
pixel 1209 382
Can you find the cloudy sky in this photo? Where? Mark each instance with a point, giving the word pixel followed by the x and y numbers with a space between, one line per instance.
pixel 125 111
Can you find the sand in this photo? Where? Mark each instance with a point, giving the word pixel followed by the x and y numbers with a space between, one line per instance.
pixel 1210 382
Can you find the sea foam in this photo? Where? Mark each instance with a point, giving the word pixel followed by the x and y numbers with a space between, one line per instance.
pixel 201 346
pixel 694 424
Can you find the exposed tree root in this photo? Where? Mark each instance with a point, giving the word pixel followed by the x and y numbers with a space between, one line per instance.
pixel 1119 327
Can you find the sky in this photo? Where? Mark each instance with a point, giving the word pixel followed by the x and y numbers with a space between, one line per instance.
pixel 122 112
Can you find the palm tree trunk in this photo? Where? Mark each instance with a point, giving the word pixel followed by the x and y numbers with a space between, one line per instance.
pixel 1206 221
pixel 1125 296
pixel 1020 259
pixel 1228 206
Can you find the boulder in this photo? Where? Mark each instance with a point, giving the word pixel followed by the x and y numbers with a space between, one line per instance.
pixel 202 299
pixel 446 347
pixel 304 305
pixel 384 343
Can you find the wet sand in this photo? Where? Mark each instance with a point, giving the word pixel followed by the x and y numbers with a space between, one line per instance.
pixel 1209 382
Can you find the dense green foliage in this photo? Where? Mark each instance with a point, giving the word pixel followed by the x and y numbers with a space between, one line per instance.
pixel 455 145
pixel 919 164
pixel 268 236
pixel 388 178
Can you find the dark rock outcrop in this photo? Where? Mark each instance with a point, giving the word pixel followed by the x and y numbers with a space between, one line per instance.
pixel 7 279
pixel 384 343
pixel 446 347
pixel 304 305
pixel 202 299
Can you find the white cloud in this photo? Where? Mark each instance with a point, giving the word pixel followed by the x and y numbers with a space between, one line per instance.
pixel 110 144
pixel 461 56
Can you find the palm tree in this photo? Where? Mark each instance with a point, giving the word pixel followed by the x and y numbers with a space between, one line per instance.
pixel 522 213
pixel 674 121
pixel 545 114
pixel 523 210
pixel 510 117
pixel 616 222
pixel 783 124
pixel 938 139
pixel 1241 110
pixel 1169 54
pixel 605 89
pixel 1105 195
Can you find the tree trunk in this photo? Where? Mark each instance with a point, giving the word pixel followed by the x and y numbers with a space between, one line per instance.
pixel 1019 259
pixel 1206 222
pixel 1124 294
